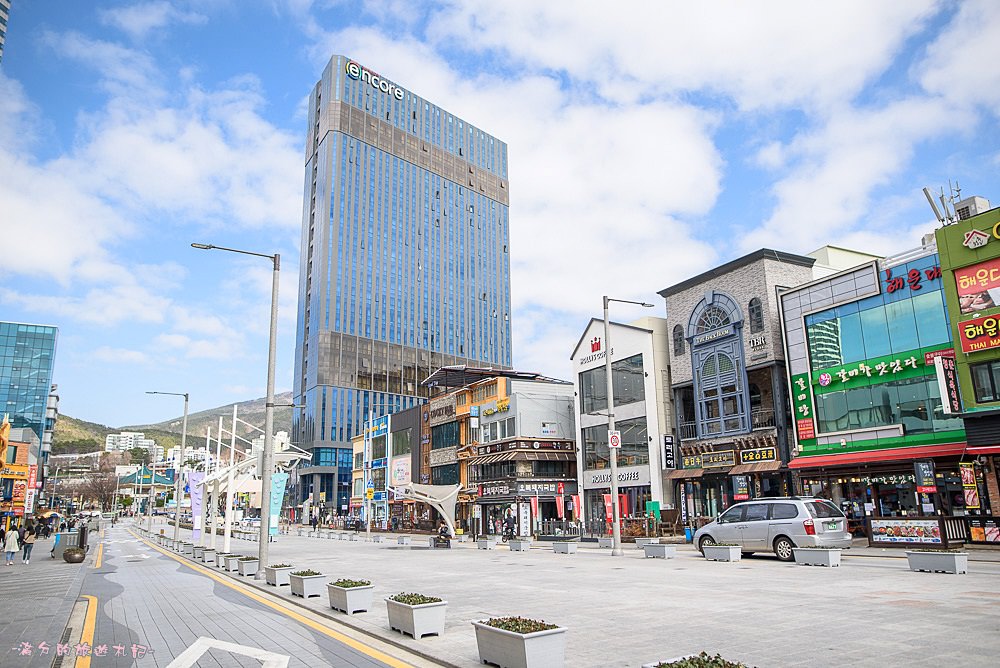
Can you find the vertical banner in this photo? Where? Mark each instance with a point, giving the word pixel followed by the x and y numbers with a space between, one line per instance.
pixel 970 490
pixel 682 502
pixel 622 506
pixel 196 491
pixel 577 506
pixel 278 481
pixel 560 507
pixel 609 512
pixel 924 472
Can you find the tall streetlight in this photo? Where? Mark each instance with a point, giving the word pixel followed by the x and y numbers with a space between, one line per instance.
pixel 267 458
pixel 616 531
pixel 177 466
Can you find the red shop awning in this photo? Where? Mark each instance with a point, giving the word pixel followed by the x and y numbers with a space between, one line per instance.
pixel 892 455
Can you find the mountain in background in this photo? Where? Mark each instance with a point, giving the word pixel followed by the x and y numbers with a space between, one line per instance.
pixel 73 435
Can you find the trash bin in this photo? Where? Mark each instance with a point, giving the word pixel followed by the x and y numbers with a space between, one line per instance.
pixel 64 539
pixel 688 534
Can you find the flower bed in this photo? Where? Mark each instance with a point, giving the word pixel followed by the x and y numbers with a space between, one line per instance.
pixel 416 614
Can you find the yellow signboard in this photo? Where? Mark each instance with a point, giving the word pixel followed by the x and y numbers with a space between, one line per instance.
pixel 370 493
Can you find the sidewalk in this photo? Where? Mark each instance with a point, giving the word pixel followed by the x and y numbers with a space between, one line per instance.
pixel 627 611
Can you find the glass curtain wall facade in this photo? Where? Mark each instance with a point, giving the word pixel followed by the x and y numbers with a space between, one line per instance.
pixel 405 252
pixel 27 356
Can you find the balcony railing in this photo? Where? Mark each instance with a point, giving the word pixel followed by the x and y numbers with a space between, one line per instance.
pixel 689 431
pixel 762 418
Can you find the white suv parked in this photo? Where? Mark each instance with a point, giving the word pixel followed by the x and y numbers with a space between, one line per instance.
pixel 778 524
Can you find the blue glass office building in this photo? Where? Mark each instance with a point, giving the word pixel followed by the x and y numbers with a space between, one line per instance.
pixel 27 355
pixel 404 265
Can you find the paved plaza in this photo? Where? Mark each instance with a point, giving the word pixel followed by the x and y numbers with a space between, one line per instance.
pixel 626 611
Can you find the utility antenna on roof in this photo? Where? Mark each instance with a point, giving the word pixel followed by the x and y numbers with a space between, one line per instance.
pixel 946 214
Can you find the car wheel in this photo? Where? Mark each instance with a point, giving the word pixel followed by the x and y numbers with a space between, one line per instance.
pixel 705 540
pixel 783 548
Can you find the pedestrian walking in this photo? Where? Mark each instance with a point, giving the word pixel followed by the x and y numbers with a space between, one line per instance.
pixel 11 545
pixel 314 521
pixel 28 543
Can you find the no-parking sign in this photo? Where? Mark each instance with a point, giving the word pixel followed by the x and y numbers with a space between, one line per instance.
pixel 614 439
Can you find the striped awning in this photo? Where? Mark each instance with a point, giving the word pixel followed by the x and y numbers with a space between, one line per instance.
pixel 492 459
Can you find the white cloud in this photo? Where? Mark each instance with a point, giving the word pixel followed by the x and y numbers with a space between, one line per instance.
pixel 119 355
pixel 140 19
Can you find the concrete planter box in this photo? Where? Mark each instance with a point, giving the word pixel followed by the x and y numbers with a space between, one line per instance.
pixel 187 549
pixel 352 536
pixel 233 563
pixel 220 560
pixel 723 552
pixel 417 620
pixel 811 556
pixel 938 562
pixel 199 552
pixel 350 599
pixel 605 542
pixel 564 547
pixel 247 567
pixel 657 551
pixel 544 649
pixel 306 586
pixel 208 555
pixel 486 543
pixel 403 540
pixel 277 577
pixel 642 542
pixel 463 538
pixel 332 535
pixel 519 545
pixel 301 531
pixel 378 538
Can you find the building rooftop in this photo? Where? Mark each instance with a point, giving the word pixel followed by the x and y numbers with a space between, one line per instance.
pixel 461 375
pixel 762 254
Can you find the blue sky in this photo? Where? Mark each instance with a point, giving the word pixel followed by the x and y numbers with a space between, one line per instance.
pixel 645 146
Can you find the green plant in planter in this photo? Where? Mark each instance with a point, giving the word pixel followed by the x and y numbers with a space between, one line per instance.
pixel 519 624
pixel 936 550
pixel 703 660
pixel 819 547
pixel 280 566
pixel 306 573
pixel 247 558
pixel 350 584
pixel 414 599
pixel 723 545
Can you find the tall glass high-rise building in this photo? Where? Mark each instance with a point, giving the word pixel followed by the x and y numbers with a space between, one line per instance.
pixel 404 265
pixel 27 356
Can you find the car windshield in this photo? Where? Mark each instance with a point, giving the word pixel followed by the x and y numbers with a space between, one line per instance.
pixel 823 508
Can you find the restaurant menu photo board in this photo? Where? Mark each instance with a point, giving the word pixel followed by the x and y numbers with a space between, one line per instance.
pixel 984 530
pixel 905 530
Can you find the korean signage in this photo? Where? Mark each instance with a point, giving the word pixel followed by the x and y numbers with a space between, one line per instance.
pixel 443 456
pixel 536 487
pixel 758 455
pixel 523 445
pixel 970 490
pixel 494 489
pixel 15 471
pixel 741 487
pixel 500 406
pixel 882 366
pixel 669 462
pixel 947 378
pixel 979 334
pixel 442 410
pixel 802 405
pixel 721 459
pixel 978 286
pixel 905 530
pixel 984 530
pixel 911 279
pixel 924 472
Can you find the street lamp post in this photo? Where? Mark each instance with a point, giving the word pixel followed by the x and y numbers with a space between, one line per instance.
pixel 178 489
pixel 267 457
pixel 616 531
pixel 55 481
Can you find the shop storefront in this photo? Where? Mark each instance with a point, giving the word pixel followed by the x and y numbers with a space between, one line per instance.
pixel 634 491
pixel 873 433
pixel 729 391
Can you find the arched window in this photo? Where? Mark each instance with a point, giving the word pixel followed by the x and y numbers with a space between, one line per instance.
pixel 712 317
pixel 678 340
pixel 756 312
